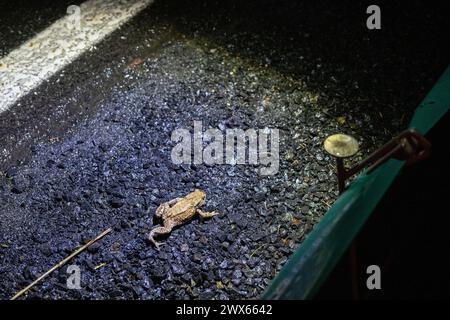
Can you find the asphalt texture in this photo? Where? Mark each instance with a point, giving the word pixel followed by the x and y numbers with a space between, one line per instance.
pixel 90 148
pixel 22 19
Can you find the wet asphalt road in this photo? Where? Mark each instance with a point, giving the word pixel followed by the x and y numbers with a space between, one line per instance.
pixel 92 148
pixel 22 19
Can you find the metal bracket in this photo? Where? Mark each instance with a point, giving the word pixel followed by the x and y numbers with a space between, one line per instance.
pixel 409 145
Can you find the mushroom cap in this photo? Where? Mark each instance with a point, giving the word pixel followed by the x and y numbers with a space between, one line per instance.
pixel 341 145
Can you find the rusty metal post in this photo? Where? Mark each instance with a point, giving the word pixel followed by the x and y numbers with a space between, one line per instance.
pixel 340 174
pixel 409 145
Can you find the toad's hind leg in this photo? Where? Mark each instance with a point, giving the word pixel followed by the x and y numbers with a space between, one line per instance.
pixel 167 228
pixel 204 214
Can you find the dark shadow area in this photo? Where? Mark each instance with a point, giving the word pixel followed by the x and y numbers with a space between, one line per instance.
pixel 407 235
pixel 327 45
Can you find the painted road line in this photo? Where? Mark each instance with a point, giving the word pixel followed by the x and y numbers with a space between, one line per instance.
pixel 24 68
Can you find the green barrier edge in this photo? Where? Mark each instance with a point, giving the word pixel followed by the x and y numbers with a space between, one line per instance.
pixel 315 258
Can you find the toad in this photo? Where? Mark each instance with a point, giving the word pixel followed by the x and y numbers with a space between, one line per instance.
pixel 178 211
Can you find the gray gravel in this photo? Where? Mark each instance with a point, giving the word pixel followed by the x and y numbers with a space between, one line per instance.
pixel 105 159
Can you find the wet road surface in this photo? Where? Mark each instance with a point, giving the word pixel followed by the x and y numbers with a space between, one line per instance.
pixel 91 148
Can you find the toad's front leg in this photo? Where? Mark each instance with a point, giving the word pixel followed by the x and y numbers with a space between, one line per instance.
pixel 204 214
pixel 165 206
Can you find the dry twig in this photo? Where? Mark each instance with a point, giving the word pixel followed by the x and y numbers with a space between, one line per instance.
pixel 61 263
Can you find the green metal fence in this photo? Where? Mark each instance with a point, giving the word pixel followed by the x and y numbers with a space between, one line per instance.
pixel 309 266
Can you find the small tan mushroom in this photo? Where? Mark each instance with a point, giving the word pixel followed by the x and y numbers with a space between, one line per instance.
pixel 341 145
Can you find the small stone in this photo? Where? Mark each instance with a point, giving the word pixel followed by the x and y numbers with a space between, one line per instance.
pixel 224 264
pixel 197 257
pixel 19 184
pixel 203 240
pixel 116 202
pixel 322 177
pixel 93 248
pixel 46 250
pixel 157 273
pixel 178 270
pixel 124 224
pixel 225 245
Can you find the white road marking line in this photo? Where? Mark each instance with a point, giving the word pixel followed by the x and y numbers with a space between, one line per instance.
pixel 24 68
